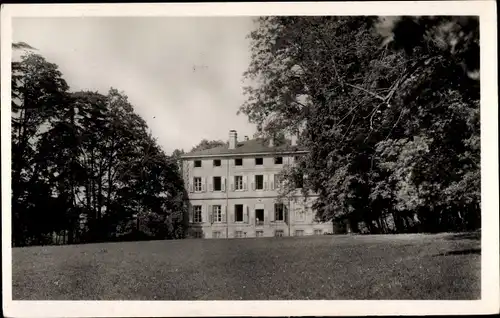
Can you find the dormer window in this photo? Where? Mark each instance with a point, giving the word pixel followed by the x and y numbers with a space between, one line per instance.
pixel 278 160
pixel 197 163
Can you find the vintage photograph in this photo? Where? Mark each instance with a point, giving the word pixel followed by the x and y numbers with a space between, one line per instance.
pixel 256 158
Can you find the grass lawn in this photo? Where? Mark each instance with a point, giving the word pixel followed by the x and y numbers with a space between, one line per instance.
pixel 444 266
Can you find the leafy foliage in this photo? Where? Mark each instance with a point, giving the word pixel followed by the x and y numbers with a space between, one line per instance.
pixel 389 109
pixel 85 164
pixel 208 144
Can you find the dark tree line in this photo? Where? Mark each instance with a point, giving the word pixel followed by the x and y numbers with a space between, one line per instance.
pixel 85 167
pixel 389 109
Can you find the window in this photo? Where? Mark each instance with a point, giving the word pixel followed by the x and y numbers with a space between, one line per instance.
pixel 279 212
pixel 238 182
pixel 278 233
pixel 216 235
pixel 318 232
pixel 238 234
pixel 217 213
pixel 259 233
pixel 299 233
pixel 278 160
pixel 197 184
pixel 197 163
pixel 217 184
pixel 259 161
pixel 197 214
pixel 259 216
pixel 217 163
pixel 259 182
pixel 198 234
pixel 238 213
pixel 296 158
pixel 238 162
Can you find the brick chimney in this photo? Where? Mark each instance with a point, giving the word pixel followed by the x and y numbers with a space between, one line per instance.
pixel 233 139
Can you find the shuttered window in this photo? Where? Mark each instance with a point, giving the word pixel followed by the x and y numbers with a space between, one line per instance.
pixel 238 213
pixel 217 213
pixel 259 182
pixel 197 214
pixel 197 184
pixel 279 212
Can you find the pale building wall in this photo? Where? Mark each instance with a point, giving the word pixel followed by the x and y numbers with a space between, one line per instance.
pixel 300 217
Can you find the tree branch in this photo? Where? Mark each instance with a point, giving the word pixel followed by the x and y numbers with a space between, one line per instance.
pixel 367 91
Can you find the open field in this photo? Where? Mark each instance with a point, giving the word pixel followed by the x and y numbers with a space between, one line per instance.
pixel 444 266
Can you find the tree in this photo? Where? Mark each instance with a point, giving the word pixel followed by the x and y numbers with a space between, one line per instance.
pixel 38 92
pixel 86 156
pixel 208 144
pixel 384 120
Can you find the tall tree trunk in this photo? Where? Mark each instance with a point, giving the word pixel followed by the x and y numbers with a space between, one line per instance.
pixel 110 177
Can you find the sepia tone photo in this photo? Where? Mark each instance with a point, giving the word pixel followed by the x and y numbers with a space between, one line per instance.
pixel 256 158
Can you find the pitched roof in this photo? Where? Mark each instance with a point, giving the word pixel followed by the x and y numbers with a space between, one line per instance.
pixel 245 147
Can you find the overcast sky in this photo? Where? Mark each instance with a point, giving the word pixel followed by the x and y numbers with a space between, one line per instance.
pixel 185 72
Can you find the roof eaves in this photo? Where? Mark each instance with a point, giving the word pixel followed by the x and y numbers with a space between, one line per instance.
pixel 236 154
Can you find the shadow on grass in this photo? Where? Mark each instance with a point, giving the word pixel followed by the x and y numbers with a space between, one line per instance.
pixel 470 251
pixel 465 236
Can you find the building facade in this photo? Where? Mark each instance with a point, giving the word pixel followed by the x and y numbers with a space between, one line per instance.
pixel 233 192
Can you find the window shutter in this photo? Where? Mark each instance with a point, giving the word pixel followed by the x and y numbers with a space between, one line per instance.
pixel 272 181
pixel 285 212
pixel 265 182
pixel 210 182
pixel 191 215
pixel 223 212
pixel 253 186
pixel 191 187
pixel 251 215
pixel 203 184
pixel 245 183
pixel 231 213
pixel 210 216
pixel 272 212
pixel 245 214
pixel 223 184
pixel 233 181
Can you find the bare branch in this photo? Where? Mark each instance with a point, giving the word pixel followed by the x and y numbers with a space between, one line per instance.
pixel 367 91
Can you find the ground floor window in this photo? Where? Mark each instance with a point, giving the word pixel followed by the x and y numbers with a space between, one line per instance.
pixel 216 235
pixel 217 213
pixel 197 214
pixel 318 232
pixel 279 233
pixel 259 216
pixel 238 234
pixel 299 233
pixel 279 212
pixel 238 213
pixel 198 234
pixel 259 233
